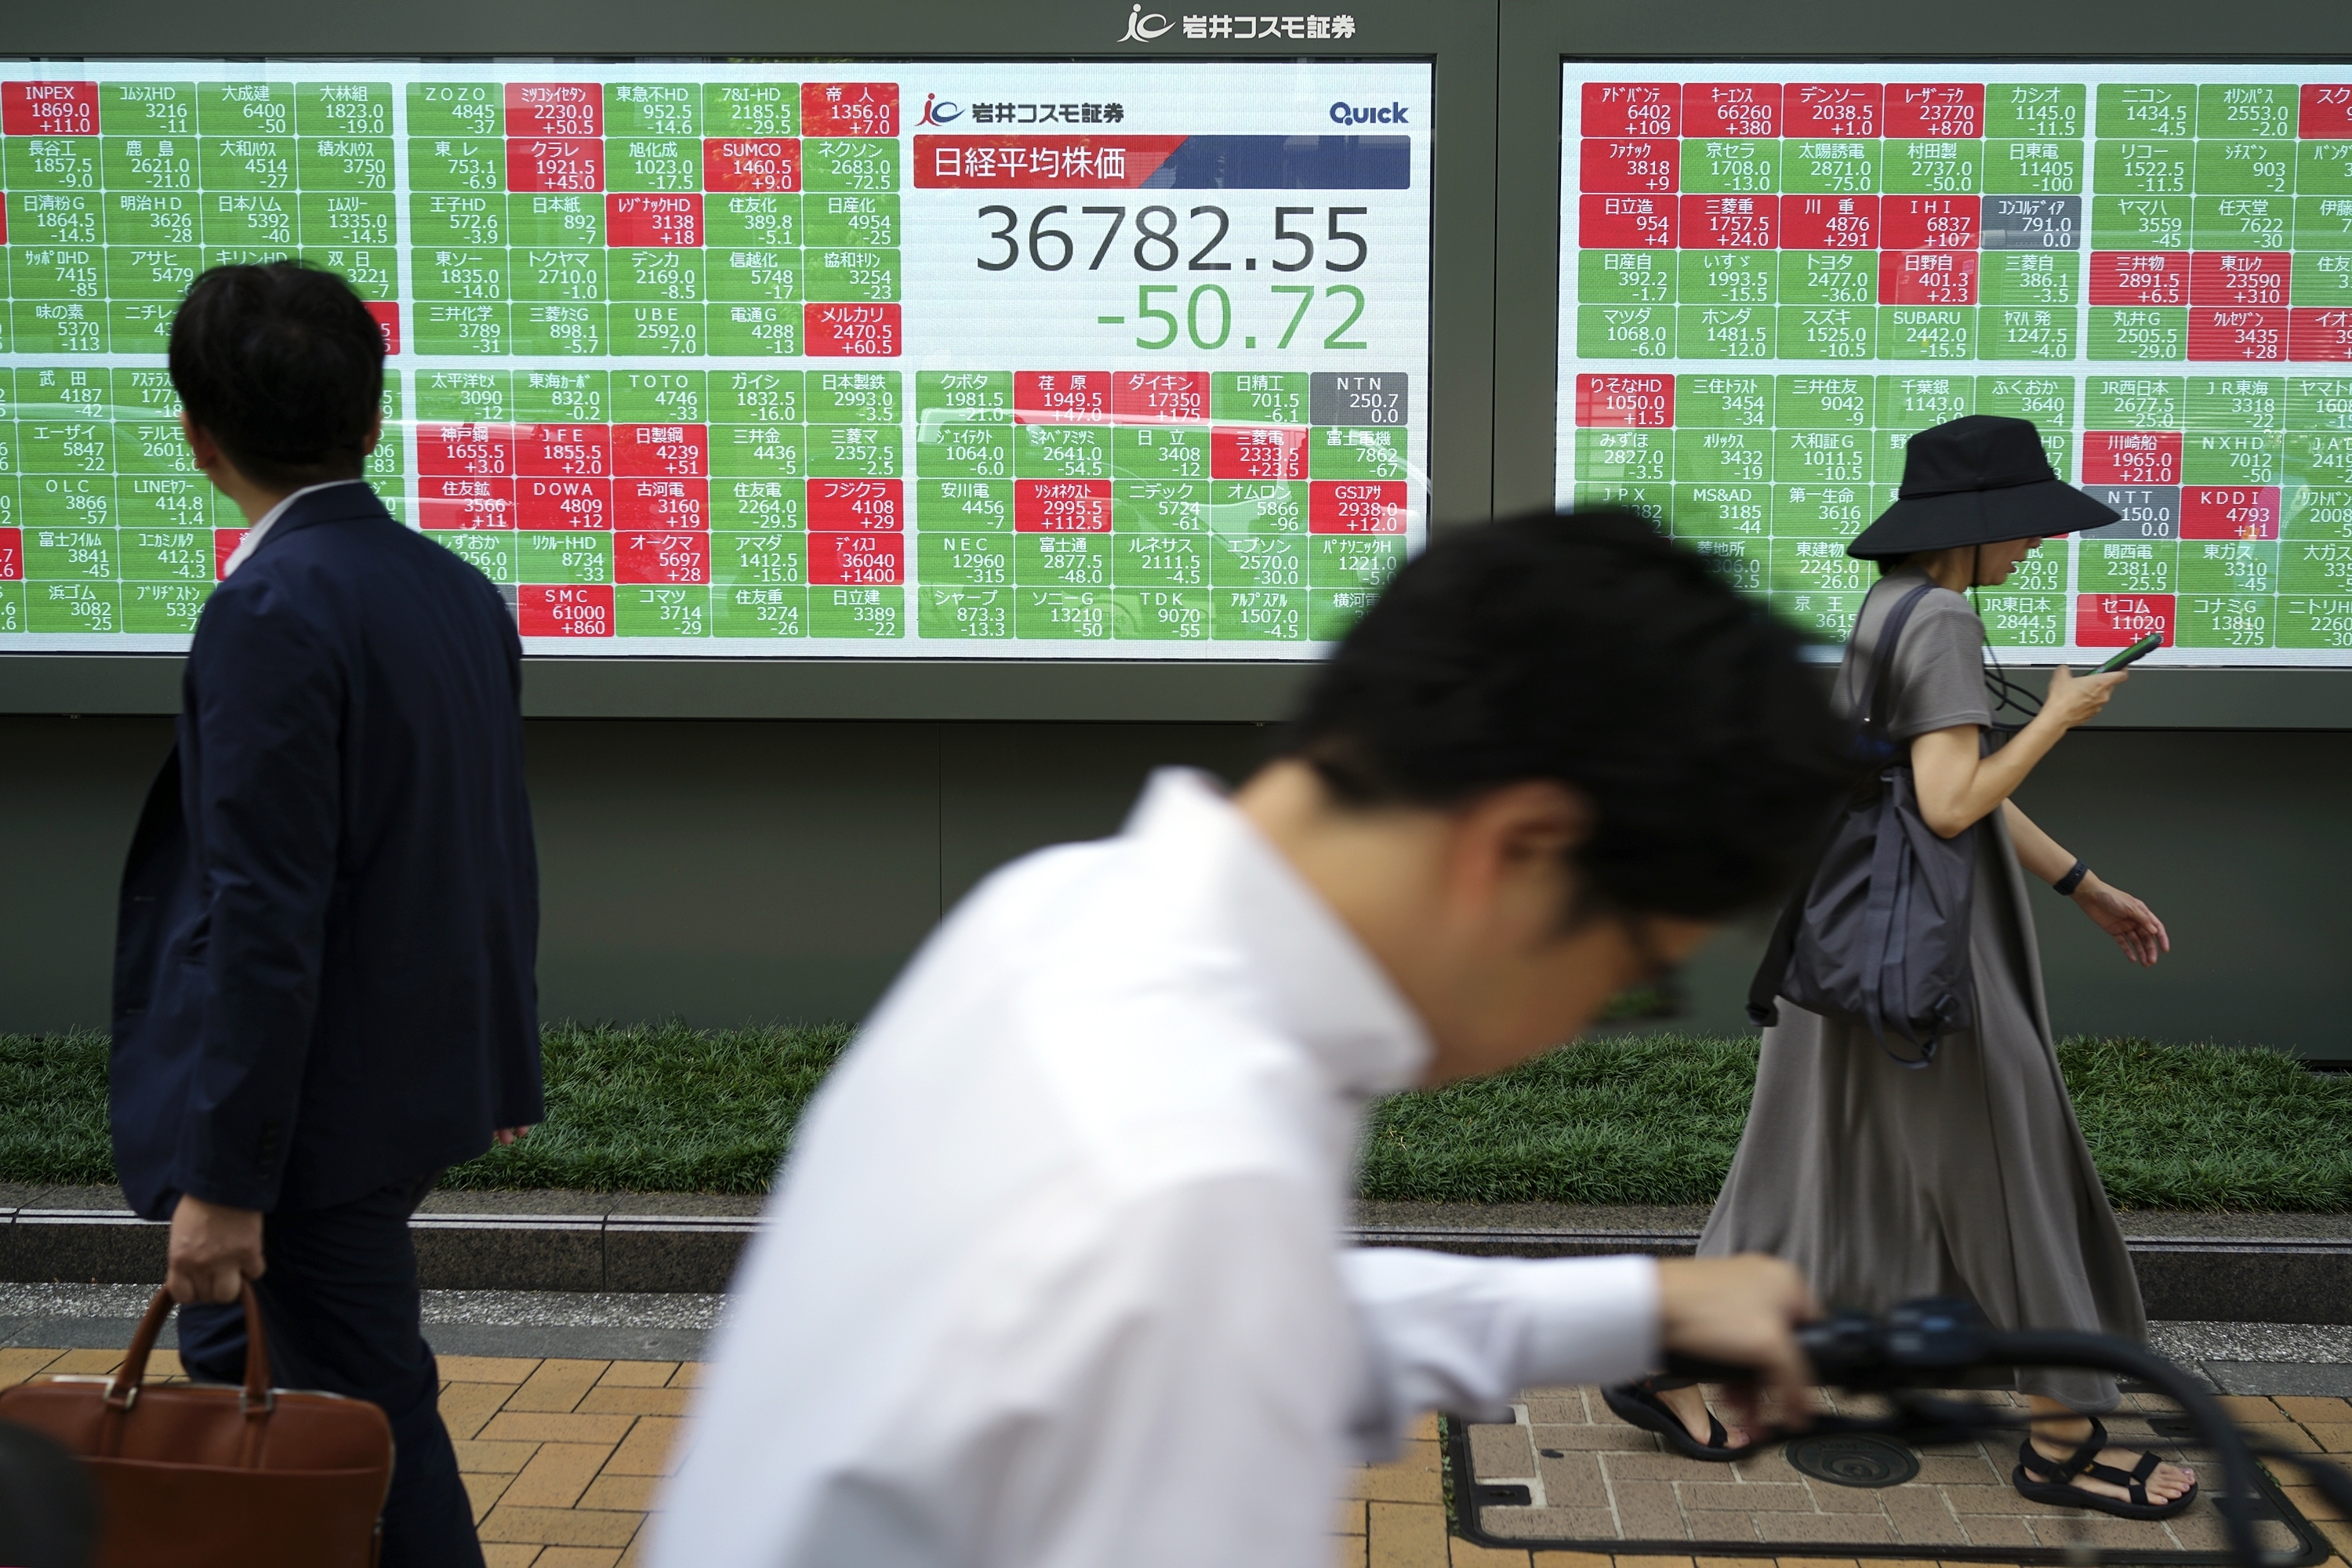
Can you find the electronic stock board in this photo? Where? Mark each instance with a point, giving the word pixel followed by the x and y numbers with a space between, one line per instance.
pixel 1772 275
pixel 1103 359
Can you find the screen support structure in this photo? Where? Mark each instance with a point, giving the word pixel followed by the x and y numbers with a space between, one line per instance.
pixel 1453 48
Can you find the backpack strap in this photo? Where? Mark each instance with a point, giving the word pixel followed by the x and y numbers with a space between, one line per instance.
pixel 1882 657
pixel 1764 990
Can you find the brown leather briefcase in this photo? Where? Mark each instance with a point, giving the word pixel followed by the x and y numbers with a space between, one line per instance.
pixel 207 1475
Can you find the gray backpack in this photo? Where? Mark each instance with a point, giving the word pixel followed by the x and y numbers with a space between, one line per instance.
pixel 1879 933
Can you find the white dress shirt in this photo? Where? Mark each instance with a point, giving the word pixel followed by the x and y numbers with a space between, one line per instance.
pixel 1052 1278
pixel 268 519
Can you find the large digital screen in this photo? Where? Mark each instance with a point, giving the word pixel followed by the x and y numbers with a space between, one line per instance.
pixel 890 359
pixel 1771 275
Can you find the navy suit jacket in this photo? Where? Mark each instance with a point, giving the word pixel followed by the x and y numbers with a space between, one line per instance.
pixel 324 960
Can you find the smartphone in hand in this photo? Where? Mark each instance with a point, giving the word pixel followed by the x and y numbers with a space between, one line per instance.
pixel 2138 650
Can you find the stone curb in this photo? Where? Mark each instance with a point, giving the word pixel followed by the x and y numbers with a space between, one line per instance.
pixel 454 1251
pixel 2231 1278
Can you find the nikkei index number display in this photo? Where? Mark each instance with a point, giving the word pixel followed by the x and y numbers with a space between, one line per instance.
pixel 1771 275
pixel 951 360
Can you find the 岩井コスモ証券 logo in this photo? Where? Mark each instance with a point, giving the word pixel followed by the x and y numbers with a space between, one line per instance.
pixel 1143 27
pixel 938 113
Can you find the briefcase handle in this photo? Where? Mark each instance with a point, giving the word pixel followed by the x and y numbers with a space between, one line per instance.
pixel 123 1389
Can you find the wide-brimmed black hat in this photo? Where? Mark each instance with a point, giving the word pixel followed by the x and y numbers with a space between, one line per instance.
pixel 1978 481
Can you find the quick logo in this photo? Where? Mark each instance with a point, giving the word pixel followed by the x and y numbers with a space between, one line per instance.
pixel 1368 114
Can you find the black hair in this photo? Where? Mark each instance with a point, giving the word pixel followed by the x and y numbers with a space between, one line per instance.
pixel 1588 651
pixel 283 366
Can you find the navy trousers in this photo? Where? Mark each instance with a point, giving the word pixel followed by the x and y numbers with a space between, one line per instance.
pixel 339 1302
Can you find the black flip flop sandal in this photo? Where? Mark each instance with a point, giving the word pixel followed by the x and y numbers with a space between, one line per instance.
pixel 2046 1480
pixel 1638 1404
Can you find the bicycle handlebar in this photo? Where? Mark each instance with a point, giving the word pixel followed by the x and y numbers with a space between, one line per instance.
pixel 1923 1345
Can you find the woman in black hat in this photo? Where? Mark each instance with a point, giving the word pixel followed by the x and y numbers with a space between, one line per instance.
pixel 1970 1176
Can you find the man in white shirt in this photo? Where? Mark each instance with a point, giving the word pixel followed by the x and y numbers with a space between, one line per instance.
pixel 1052 1278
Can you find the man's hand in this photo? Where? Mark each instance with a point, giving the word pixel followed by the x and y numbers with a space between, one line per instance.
pixel 1741 1311
pixel 215 1249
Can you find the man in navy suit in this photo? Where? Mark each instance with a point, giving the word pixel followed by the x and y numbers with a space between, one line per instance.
pixel 324 987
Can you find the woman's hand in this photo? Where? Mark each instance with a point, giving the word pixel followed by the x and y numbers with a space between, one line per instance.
pixel 2074 700
pixel 2133 924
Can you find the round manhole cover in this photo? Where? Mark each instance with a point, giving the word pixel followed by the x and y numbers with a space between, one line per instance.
pixel 1855 1459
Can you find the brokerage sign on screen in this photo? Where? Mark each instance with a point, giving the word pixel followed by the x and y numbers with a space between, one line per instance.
pixel 1773 276
pixel 970 359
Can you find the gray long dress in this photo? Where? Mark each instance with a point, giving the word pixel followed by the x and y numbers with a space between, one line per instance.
pixel 1969 1177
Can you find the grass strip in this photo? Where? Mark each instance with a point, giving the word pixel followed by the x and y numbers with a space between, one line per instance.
pixel 1628 1119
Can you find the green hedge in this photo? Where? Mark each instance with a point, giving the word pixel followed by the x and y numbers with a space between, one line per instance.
pixel 1648 1119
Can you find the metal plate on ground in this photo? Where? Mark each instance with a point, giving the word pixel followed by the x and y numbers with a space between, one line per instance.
pixel 1568 1476
pixel 1853 1459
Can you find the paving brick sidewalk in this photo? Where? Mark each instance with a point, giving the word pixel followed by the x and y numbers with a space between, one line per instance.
pixel 563 1458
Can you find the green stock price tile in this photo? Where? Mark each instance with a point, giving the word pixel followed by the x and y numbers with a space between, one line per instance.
pixel 2317 621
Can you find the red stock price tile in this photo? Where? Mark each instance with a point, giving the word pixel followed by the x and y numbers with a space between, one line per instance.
pixel 2327 109
pixel 12 555
pixel 1160 397
pixel 857 560
pixel 1935 109
pixel 1834 108
pixel 1930 223
pixel 2131 456
pixel 1927 276
pixel 1632 109
pixel 849 108
pixel 639 222
pixel 565 451
pixel 1061 397
pixel 852 331
pixel 664 506
pixel 1626 223
pixel 1829 223
pixel 456 504
pixel 752 163
pixel 554 164
pixel 1349 506
pixel 2139 277
pixel 1731 223
pixel 856 506
pixel 677 559
pixel 2253 277
pixel 475 451
pixel 582 611
pixel 1258 452
pixel 1630 163
pixel 224 543
pixel 1734 108
pixel 2228 332
pixel 555 109
pixel 1061 506
pixel 2315 334
pixel 2230 511
pixel 49 109
pixel 677 451
pixel 386 311
pixel 2120 620
pixel 557 503
pixel 1625 401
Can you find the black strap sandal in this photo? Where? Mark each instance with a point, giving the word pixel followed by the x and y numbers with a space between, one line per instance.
pixel 1638 1404
pixel 2046 1481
